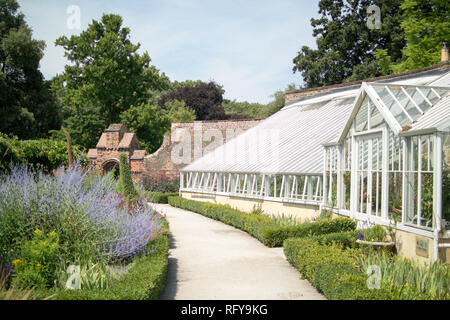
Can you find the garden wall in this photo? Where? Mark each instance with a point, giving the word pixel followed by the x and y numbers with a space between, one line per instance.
pixel 189 141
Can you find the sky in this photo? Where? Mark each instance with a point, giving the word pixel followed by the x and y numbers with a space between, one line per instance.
pixel 247 46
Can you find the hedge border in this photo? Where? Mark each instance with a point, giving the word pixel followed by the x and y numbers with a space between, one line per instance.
pixel 159 197
pixel 263 227
pixel 330 269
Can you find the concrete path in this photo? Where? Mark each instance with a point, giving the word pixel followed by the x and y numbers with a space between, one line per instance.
pixel 210 260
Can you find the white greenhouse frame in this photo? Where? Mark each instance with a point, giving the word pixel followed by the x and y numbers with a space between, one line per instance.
pixel 402 153
pixel 368 153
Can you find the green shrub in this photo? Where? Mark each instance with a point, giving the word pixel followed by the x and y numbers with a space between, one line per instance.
pixel 38 263
pixel 376 234
pixel 263 228
pixel 160 183
pixel 275 235
pixel 332 270
pixel 44 153
pixel 125 184
pixel 159 197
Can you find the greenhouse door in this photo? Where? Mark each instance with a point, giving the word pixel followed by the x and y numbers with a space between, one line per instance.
pixel 367 172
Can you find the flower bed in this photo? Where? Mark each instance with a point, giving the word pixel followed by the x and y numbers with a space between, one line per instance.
pixel 263 228
pixel 49 224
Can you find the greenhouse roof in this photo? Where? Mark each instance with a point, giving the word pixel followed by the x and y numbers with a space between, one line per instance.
pixel 291 141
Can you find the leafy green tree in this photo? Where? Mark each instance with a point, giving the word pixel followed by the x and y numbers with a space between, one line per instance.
pixel 426 25
pixel 345 44
pixel 149 124
pixel 204 98
pixel 177 111
pixel 107 76
pixel 27 106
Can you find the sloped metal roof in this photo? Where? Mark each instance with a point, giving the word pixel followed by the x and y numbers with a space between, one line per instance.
pixel 437 118
pixel 291 141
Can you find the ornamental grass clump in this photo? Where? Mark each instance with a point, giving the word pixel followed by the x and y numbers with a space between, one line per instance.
pixel 85 212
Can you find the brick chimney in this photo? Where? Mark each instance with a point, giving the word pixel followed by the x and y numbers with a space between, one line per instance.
pixel 444 52
pixel 114 135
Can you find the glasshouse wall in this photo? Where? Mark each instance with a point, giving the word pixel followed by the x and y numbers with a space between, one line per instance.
pixel 275 194
pixel 401 181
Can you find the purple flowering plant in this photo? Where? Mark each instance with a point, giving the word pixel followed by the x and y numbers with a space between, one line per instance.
pixel 84 209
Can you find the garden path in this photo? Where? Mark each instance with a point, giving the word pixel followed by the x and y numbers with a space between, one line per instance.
pixel 213 261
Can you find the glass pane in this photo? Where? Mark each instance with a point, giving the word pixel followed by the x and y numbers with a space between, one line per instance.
pixel 361 118
pixel 426 200
pixel 395 196
pixel 446 182
pixel 376 119
pixel 346 191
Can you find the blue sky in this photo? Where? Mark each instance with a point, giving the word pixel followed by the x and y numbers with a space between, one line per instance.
pixel 246 46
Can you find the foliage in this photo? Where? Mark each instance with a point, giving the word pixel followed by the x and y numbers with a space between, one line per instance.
pixel 125 184
pixel 85 211
pixel 426 25
pixel 286 220
pixel 149 124
pixel 251 110
pixel 410 279
pixel 107 76
pixel 160 183
pixel 160 197
pixel 45 154
pixel 38 263
pixel 325 214
pixel 333 271
pixel 204 98
pixel 177 111
pixel 263 228
pixel 145 279
pixel 27 107
pixel 345 44
pixel 245 109
pixel 376 234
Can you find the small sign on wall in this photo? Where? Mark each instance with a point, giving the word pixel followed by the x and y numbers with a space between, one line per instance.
pixel 422 245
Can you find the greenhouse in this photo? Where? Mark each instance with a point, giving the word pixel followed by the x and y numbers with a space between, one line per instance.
pixel 376 151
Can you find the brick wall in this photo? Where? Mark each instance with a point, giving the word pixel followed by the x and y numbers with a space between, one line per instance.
pixel 201 135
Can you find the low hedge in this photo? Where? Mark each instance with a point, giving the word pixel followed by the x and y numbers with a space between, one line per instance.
pixel 262 227
pixel 144 281
pixel 330 269
pixel 160 197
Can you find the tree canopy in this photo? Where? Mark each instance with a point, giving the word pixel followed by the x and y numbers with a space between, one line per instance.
pixel 426 24
pixel 345 44
pixel 107 77
pixel 204 98
pixel 27 107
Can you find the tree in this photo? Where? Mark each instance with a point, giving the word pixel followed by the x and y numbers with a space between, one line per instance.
pixel 107 76
pixel 204 98
pixel 149 124
pixel 27 107
pixel 345 44
pixel 177 111
pixel 426 24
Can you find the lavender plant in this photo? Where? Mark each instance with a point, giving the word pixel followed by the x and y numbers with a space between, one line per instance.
pixel 85 211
